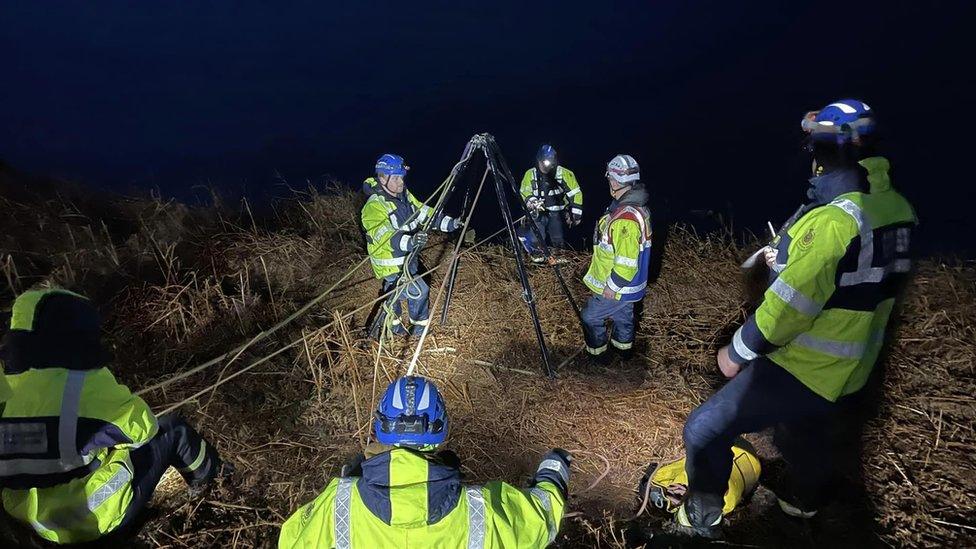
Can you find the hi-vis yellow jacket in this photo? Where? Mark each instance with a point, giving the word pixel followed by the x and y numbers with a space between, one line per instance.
pixel 561 192
pixel 65 438
pixel 389 221
pixel 622 248
pixel 842 264
pixel 407 499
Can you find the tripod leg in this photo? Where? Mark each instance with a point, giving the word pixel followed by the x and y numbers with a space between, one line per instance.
pixel 527 296
pixel 450 288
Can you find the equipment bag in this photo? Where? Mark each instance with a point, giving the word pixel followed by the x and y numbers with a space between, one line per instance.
pixel 669 482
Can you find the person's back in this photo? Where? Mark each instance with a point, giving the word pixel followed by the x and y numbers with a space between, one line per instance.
pixel 409 496
pixel 846 261
pixel 80 455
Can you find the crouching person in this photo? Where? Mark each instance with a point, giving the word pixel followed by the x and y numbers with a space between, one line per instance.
pixel 404 492
pixel 80 455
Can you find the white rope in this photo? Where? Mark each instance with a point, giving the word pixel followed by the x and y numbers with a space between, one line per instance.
pixel 294 343
pixel 265 333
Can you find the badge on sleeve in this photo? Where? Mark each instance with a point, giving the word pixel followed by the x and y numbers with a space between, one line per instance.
pixel 807 239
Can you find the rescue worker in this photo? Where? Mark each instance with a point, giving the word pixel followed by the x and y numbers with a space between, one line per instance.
pixel 392 218
pixel 811 345
pixel 552 196
pixel 407 492
pixel 80 455
pixel 621 256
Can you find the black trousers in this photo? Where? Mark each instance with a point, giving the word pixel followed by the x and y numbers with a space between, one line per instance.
pixel 175 445
pixel 763 395
pixel 552 226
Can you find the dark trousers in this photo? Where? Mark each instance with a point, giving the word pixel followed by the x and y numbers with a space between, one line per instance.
pixel 762 395
pixel 417 296
pixel 177 445
pixel 551 225
pixel 597 311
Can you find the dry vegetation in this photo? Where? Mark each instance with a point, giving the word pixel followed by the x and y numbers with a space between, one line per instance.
pixel 180 286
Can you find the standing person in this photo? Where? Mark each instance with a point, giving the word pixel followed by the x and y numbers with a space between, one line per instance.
pixel 407 492
pixel 392 218
pixel 811 345
pixel 552 196
pixel 621 255
pixel 80 455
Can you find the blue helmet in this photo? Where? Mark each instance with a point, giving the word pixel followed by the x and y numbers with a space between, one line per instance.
pixel 844 121
pixel 546 158
pixel 391 164
pixel 412 414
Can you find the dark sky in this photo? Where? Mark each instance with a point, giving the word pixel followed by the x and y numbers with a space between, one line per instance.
pixel 706 95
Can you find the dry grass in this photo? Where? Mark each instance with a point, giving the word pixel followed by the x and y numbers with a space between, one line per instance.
pixel 291 422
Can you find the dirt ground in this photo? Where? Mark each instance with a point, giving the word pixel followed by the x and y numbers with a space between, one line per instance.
pixel 180 286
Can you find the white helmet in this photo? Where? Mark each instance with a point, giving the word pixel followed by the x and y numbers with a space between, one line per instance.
pixel 623 169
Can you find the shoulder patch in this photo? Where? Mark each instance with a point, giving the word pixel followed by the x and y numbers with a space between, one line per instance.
pixel 806 240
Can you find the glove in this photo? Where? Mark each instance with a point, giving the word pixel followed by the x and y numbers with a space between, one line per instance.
pixel 554 468
pixel 563 454
pixel 418 240
pixel 770 254
pixel 469 237
pixel 455 225
pixel 534 204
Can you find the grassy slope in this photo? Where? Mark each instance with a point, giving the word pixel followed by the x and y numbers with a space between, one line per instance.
pixel 180 285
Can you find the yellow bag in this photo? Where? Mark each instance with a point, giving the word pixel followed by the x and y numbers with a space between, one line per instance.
pixel 669 482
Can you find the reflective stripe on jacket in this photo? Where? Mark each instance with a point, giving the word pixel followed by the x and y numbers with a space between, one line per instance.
pixel 622 249
pixel 824 316
pixel 409 499
pixel 557 193
pixel 65 437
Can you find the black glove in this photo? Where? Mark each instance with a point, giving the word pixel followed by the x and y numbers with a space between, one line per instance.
pixel 418 240
pixel 554 468
pixel 563 454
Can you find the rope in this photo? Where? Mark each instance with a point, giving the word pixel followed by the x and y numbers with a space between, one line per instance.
pixel 294 343
pixel 405 282
pixel 265 333
pixel 440 292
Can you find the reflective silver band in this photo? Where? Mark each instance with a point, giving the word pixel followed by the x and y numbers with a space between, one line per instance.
pixel 841 349
pixel 391 262
pixel 342 515
pixel 794 298
pixel 547 505
pixel 741 348
pixel 557 466
pixel 476 517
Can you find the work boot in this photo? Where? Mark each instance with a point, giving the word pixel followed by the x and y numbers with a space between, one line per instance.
pixel 599 355
pixel 700 516
pixel 624 350
pixel 199 488
pixel 416 330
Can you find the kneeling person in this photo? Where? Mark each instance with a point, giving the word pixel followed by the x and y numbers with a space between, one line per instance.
pixel 80 455
pixel 405 493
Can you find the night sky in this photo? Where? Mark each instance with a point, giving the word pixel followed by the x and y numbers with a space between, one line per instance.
pixel 706 95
